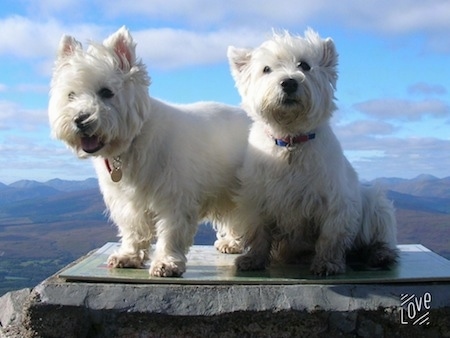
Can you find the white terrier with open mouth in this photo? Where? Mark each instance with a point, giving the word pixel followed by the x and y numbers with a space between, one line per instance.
pixel 299 193
pixel 161 167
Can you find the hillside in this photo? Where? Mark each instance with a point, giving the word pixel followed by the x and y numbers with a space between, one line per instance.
pixel 422 210
pixel 422 185
pixel 45 225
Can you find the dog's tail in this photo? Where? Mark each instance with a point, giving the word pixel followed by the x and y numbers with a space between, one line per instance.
pixel 377 238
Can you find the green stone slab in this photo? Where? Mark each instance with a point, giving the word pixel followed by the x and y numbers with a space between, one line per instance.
pixel 207 266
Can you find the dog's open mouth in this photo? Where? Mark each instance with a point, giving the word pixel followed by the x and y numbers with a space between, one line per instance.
pixel 91 144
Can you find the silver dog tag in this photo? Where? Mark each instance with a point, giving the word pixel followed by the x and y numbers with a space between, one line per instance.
pixel 116 175
pixel 116 172
pixel 290 150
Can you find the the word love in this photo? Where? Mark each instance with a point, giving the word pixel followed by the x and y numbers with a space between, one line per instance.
pixel 414 309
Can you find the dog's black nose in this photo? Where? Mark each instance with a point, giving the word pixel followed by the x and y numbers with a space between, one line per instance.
pixel 289 85
pixel 80 120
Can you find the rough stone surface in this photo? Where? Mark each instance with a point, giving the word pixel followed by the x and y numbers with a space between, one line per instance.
pixel 11 305
pixel 209 300
pixel 344 322
pixel 70 322
pixel 369 329
pixel 56 308
pixel 59 309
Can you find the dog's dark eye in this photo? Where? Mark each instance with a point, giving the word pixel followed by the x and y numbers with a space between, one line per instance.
pixel 105 93
pixel 71 96
pixel 267 70
pixel 304 66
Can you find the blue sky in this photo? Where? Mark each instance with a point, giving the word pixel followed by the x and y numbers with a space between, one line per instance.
pixel 393 116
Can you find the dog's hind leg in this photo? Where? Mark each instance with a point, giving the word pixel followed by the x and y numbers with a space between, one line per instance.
pixel 258 256
pixel 136 231
pixel 377 237
pixel 338 230
pixel 329 258
pixel 227 243
pixel 130 255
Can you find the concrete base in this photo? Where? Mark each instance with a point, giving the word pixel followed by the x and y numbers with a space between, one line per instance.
pixel 57 308
pixel 211 300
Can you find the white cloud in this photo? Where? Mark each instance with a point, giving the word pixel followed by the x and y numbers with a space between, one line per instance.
pixel 365 127
pixel 399 157
pixel 12 115
pixel 423 88
pixel 391 156
pixel 24 38
pixel 211 25
pixel 199 34
pixel 378 148
pixel 374 151
pixel 396 17
pixel 32 157
pixel 160 47
pixel 389 109
pixel 430 18
pixel 382 15
pixel 176 48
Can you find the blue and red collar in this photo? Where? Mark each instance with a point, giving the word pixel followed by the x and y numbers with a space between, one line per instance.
pixel 291 141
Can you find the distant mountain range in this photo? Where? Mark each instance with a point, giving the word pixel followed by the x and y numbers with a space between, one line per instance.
pixel 69 215
pixel 79 204
pixel 34 212
pixel 424 193
pixel 422 210
pixel 28 190
pixel 422 186
pixel 58 221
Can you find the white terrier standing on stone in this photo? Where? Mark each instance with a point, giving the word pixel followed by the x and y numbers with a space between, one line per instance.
pixel 161 167
pixel 299 193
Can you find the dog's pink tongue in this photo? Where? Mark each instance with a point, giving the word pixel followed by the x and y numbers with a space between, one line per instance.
pixel 91 144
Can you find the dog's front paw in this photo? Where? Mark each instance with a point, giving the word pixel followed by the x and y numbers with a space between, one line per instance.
pixel 167 269
pixel 229 247
pixel 322 267
pixel 118 260
pixel 251 262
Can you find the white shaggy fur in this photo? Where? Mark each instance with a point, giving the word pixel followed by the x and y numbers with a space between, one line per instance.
pixel 178 162
pixel 304 196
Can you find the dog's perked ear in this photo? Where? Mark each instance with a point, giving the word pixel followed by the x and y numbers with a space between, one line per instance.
pixel 123 45
pixel 330 55
pixel 330 60
pixel 68 45
pixel 238 59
